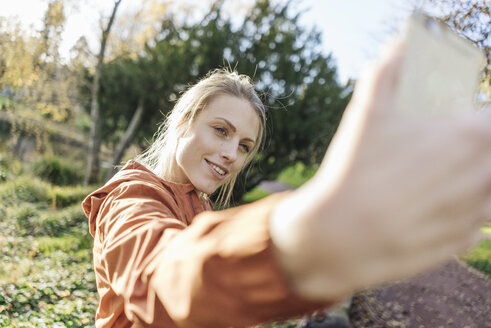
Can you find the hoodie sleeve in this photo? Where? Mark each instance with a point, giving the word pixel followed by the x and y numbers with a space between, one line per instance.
pixel 218 272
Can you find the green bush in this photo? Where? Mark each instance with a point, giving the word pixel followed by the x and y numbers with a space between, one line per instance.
pixel 68 244
pixel 66 196
pixel 296 175
pixel 34 207
pixel 60 222
pixel 24 189
pixel 57 170
pixel 21 217
pixel 9 167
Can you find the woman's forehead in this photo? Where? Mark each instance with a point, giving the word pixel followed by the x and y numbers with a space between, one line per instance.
pixel 235 111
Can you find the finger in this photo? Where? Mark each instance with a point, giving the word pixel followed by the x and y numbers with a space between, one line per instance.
pixel 378 81
pixel 387 71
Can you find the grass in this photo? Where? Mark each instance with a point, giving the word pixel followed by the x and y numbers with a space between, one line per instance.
pixel 254 194
pixel 70 244
pixel 46 274
pixel 296 175
pixel 486 230
pixel 480 257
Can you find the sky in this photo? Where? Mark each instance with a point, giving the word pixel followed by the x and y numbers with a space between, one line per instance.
pixel 353 30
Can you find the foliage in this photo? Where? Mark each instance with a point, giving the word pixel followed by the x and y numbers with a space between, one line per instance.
pixel 255 194
pixel 16 65
pixel 5 102
pixel 298 83
pixel 59 290
pixel 24 189
pixel 486 230
pixel 9 168
pixel 480 257
pixel 32 221
pixel 31 68
pixel 46 275
pixel 296 175
pixel 57 170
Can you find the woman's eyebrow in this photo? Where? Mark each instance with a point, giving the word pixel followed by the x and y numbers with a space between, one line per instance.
pixel 233 128
pixel 230 125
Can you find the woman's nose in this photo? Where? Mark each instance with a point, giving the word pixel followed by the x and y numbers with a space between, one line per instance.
pixel 229 151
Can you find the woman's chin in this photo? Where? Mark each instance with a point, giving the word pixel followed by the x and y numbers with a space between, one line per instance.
pixel 209 186
pixel 206 189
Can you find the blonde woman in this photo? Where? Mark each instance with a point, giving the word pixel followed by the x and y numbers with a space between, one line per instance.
pixel 379 208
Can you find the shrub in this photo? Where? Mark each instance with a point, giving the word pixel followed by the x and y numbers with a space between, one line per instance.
pixel 21 217
pixel 57 223
pixel 24 189
pixel 296 175
pixel 9 167
pixel 66 196
pixel 68 244
pixel 57 170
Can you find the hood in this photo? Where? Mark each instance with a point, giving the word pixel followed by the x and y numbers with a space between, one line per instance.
pixel 130 172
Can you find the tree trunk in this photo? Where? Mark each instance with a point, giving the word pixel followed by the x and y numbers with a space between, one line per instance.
pixel 92 169
pixel 126 139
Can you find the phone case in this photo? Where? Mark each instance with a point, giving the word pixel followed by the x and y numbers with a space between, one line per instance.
pixel 440 71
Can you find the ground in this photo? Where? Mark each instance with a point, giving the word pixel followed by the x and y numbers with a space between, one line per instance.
pixel 452 295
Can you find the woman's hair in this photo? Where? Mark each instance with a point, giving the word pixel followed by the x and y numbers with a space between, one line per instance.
pixel 160 156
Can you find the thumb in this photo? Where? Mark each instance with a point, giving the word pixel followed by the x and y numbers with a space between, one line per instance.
pixel 378 82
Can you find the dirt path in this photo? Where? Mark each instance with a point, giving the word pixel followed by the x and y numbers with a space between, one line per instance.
pixel 453 295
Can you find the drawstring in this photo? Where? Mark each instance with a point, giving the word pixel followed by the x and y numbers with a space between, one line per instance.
pixel 191 202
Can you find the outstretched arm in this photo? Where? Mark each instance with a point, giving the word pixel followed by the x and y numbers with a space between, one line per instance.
pixel 394 196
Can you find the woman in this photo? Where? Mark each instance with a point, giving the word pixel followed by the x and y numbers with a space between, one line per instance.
pixel 378 209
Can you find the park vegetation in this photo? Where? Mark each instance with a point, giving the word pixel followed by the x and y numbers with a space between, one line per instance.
pixel 48 129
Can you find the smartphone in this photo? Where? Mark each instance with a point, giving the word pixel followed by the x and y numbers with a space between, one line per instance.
pixel 440 71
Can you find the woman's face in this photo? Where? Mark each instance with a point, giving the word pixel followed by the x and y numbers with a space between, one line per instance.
pixel 217 143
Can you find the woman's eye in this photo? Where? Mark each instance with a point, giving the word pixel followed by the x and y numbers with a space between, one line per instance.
pixel 245 148
pixel 221 131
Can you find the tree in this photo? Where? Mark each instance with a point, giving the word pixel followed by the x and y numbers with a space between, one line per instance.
pixel 50 92
pixel 16 56
pixel 31 66
pixel 297 82
pixel 135 28
pixel 92 169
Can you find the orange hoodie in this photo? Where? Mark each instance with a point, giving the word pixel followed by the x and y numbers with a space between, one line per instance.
pixel 156 269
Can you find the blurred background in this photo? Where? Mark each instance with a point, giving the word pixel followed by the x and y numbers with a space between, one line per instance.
pixel 84 84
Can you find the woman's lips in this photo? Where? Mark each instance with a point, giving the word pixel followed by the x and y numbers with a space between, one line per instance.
pixel 217 170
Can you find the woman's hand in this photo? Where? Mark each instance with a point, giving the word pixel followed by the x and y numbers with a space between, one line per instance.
pixel 394 196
